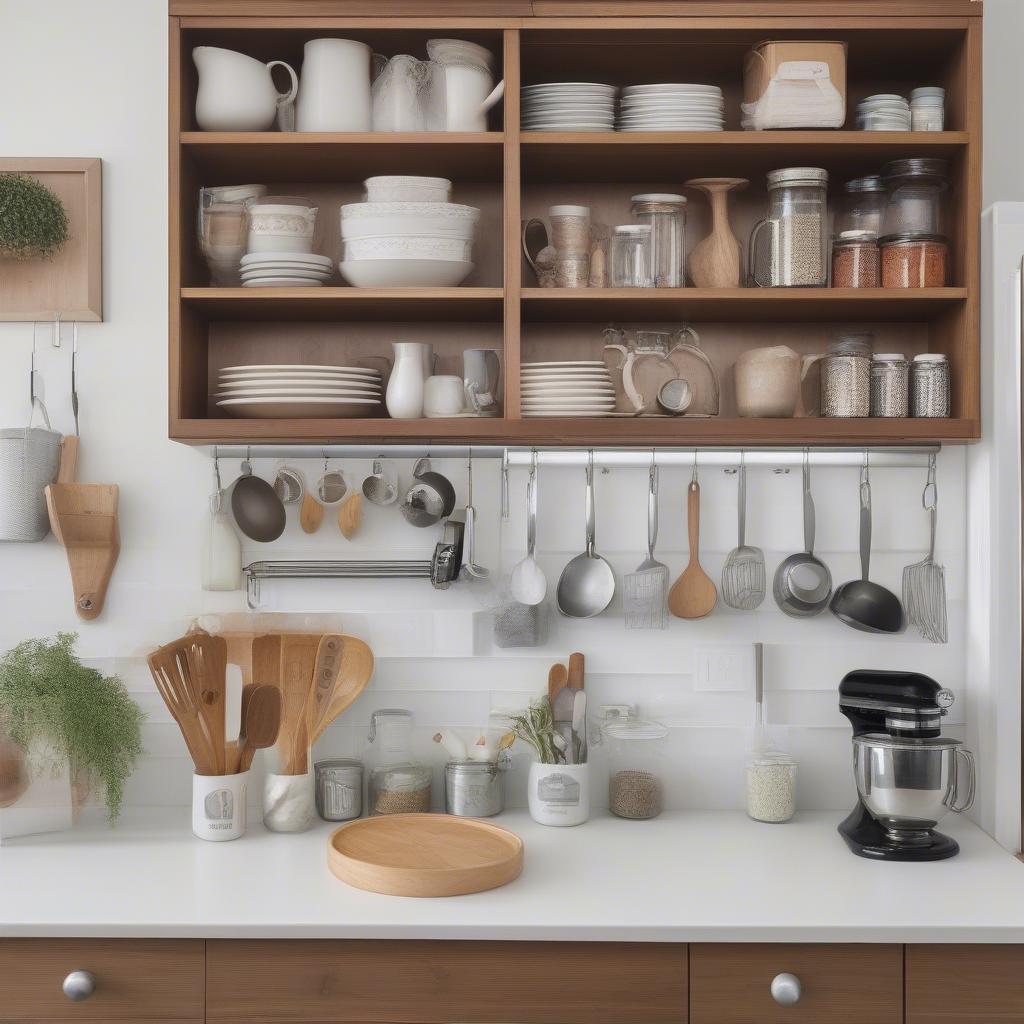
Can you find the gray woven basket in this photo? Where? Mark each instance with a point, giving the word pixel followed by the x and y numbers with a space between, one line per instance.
pixel 29 460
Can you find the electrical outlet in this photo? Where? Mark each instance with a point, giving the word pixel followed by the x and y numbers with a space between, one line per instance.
pixel 724 668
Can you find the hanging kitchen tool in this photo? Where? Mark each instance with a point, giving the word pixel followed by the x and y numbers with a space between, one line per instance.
pixel 803 583
pixel 645 591
pixel 693 595
pixel 924 582
pixel 332 487
pixel 256 507
pixel 862 604
pixel 430 498
pixel 587 584
pixel 288 485
pixel 743 582
pixel 379 488
pixel 470 569
pixel 350 516
pixel 221 549
pixel 311 514
pixel 528 585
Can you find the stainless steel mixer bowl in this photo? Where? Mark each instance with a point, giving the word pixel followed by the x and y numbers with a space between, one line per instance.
pixel 908 785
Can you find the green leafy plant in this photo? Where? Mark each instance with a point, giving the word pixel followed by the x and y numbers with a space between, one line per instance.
pixel 537 727
pixel 49 700
pixel 33 221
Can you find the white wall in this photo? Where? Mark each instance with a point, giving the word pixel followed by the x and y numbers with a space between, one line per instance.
pixel 89 79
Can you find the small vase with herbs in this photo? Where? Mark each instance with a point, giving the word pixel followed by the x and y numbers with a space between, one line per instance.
pixel 65 730
pixel 33 220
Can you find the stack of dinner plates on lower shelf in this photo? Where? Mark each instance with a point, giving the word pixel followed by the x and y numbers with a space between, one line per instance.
pixel 671 108
pixel 568 107
pixel 285 270
pixel 288 391
pixel 579 388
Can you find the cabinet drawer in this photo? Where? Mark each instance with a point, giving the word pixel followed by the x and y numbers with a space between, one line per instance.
pixel 149 978
pixel 840 984
pixel 407 982
pixel 965 984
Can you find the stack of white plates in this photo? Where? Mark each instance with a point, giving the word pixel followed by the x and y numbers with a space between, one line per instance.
pixel 285 270
pixel 884 112
pixel 579 388
pixel 288 391
pixel 671 108
pixel 568 107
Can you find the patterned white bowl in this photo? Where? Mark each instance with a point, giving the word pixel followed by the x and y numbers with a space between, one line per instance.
pixel 407 188
pixel 409 247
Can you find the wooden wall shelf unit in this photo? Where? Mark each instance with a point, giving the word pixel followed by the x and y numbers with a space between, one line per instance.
pixel 512 175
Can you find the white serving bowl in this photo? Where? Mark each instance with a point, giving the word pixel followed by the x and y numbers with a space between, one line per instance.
pixel 445 211
pixel 407 188
pixel 409 247
pixel 281 227
pixel 380 227
pixel 407 273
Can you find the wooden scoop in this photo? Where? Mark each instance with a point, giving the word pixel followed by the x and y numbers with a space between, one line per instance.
pixel 353 673
pixel 83 518
pixel 261 719
pixel 350 517
pixel 693 595
pixel 311 515
pixel 298 660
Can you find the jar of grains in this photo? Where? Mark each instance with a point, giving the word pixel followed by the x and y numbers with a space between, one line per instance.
pixel 929 386
pixel 397 783
pixel 855 262
pixel 889 385
pixel 846 377
pixel 666 214
pixel 771 786
pixel 636 767
pixel 914 261
pixel 789 248
pixel 570 229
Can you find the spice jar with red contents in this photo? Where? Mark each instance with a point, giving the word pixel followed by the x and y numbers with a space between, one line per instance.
pixel 914 261
pixel 855 262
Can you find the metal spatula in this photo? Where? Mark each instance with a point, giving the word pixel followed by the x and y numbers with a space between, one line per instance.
pixel 646 590
pixel 924 582
pixel 743 578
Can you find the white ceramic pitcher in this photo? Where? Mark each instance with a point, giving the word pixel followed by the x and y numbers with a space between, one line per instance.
pixel 334 95
pixel 404 395
pixel 768 381
pixel 237 92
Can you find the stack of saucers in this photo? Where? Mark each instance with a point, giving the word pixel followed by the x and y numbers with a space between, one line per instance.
pixel 294 391
pixel 578 388
pixel 885 112
pixel 568 107
pixel 285 270
pixel 672 107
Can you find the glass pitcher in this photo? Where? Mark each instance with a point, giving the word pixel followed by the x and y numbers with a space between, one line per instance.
pixel 789 248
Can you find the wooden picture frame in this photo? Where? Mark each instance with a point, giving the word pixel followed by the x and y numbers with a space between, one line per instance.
pixel 71 283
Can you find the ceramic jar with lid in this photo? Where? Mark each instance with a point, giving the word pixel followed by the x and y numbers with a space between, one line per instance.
pixel 665 212
pixel 637 767
pixel 927 109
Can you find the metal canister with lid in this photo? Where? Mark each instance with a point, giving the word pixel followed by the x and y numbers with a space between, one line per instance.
pixel 929 386
pixel 889 385
pixel 474 789
pixel 339 789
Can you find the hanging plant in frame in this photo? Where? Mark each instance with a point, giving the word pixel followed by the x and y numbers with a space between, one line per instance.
pixel 33 221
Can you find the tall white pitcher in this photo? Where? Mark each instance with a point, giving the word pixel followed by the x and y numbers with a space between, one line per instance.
pixel 334 87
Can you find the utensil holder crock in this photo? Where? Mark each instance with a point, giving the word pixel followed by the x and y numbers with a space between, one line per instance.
pixel 559 794
pixel 218 806
pixel 289 802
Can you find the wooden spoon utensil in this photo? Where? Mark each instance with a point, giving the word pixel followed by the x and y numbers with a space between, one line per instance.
pixel 325 677
pixel 693 595
pixel 350 516
pixel 355 670
pixel 261 719
pixel 298 660
pixel 311 514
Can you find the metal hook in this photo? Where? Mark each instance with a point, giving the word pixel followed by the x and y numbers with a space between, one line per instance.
pixel 693 478
pixel 930 495
pixel 504 482
pixel 654 467
pixel 469 478
pixel 216 467
pixel 533 465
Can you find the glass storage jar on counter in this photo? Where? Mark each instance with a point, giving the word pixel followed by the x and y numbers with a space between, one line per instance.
pixel 630 256
pixel 771 786
pixel 665 212
pixel 914 197
pixel 636 767
pixel 789 249
pixel 397 783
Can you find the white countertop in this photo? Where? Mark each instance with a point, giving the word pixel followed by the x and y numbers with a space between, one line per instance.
pixel 684 877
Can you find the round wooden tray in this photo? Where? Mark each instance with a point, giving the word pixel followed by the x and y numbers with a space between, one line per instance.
pixel 424 855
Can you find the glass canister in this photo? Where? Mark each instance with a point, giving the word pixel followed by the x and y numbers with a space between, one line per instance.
pixel 929 386
pixel 846 376
pixel 339 789
pixel 889 385
pixel 856 262
pixel 636 767
pixel 862 208
pixel 397 782
pixel 771 786
pixel 474 789
pixel 665 212
pixel 914 196
pixel 630 256
pixel 789 248
pixel 914 260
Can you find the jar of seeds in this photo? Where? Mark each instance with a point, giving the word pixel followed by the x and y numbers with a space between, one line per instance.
pixel 771 786
pixel 889 385
pixel 929 386
pixel 636 767
pixel 397 783
pixel 846 376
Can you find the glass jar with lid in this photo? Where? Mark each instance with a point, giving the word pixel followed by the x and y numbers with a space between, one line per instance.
pixel 630 256
pixel 914 197
pixel 789 248
pixel 397 783
pixel 862 208
pixel 771 786
pixel 665 212
pixel 636 767
pixel 846 376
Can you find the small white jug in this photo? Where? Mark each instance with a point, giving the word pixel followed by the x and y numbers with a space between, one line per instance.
pixel 237 92
pixel 335 91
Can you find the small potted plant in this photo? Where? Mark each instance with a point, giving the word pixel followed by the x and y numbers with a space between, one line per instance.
pixel 64 729
pixel 33 221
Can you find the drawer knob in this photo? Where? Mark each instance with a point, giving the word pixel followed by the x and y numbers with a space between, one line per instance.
pixel 786 989
pixel 79 985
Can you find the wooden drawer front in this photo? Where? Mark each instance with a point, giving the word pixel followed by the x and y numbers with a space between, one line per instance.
pixel 155 978
pixel 731 984
pixel 436 982
pixel 969 984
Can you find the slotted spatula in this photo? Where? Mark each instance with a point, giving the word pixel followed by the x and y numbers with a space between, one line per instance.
pixel 924 582
pixel 743 577
pixel 646 589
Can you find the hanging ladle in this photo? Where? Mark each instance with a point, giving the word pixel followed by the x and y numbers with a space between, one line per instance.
pixel 256 507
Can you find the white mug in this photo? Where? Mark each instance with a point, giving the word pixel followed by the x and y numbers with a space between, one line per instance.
pixel 443 396
pixel 218 806
pixel 236 92
pixel 334 94
pixel 480 370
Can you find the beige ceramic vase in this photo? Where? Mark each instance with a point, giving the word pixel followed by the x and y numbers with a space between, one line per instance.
pixel 715 261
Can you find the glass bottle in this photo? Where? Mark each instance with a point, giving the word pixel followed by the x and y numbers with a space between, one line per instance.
pixel 665 212
pixel 396 783
pixel 630 255
pixel 789 249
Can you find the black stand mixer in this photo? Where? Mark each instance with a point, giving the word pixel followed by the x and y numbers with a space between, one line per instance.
pixel 908 775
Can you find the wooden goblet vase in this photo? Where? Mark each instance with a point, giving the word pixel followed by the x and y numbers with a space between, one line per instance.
pixel 715 262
